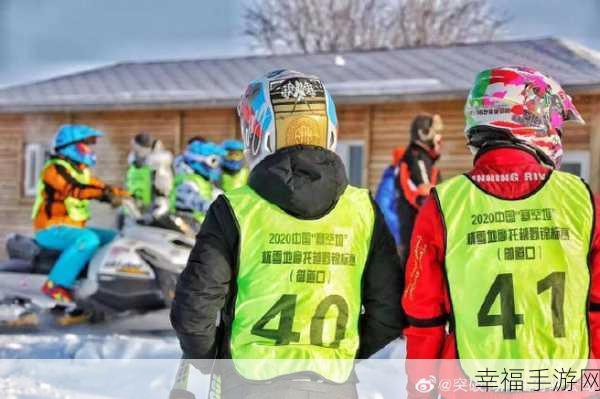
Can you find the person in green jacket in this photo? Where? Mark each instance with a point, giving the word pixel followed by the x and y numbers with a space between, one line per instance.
pixel 235 172
pixel 194 189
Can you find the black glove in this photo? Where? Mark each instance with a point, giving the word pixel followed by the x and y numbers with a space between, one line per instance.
pixel 109 195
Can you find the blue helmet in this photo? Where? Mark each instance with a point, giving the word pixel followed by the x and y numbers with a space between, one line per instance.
pixel 234 159
pixel 71 141
pixel 204 158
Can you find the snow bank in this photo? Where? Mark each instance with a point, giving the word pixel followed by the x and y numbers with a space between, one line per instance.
pixel 90 366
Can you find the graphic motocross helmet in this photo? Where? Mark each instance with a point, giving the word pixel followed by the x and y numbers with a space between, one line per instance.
pixel 204 157
pixel 283 109
pixel 234 159
pixel 74 142
pixel 520 105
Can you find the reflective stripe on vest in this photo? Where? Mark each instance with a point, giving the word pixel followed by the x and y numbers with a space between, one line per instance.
pixel 518 270
pixel 139 183
pixel 232 181
pixel 77 209
pixel 299 286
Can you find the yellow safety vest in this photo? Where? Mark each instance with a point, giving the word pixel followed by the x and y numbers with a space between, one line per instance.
pixel 77 209
pixel 518 270
pixel 232 181
pixel 299 286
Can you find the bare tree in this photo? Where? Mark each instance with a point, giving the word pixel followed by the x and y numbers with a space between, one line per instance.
pixel 311 26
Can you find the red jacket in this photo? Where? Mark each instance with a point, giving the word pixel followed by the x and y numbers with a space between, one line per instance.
pixel 426 300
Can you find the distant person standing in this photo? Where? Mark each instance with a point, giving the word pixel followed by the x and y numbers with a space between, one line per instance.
pixel 417 173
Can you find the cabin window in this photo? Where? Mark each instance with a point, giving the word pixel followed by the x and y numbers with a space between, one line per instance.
pixel 34 159
pixel 577 162
pixel 352 153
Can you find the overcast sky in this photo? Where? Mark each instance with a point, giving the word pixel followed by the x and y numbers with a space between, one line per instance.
pixel 44 38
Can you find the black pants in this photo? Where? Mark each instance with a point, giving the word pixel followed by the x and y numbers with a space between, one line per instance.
pixel 296 386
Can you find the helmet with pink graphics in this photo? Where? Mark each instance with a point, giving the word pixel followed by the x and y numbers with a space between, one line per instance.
pixel 520 106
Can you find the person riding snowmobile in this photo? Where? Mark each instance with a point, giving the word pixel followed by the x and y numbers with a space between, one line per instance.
pixel 194 189
pixel 506 232
pixel 297 244
pixel 417 173
pixel 150 176
pixel 61 208
pixel 235 173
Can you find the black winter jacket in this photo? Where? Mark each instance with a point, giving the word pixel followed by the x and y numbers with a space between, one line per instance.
pixel 306 182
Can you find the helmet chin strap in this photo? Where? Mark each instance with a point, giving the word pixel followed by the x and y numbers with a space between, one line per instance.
pixel 545 159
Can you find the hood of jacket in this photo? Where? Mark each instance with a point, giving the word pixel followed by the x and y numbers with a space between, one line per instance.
pixel 305 181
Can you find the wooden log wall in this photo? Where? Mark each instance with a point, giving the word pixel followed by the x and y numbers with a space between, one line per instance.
pixel 381 127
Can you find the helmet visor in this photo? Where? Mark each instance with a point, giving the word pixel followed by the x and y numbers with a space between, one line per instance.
pixel 300 109
pixel 571 114
pixel 235 155
pixel 84 148
pixel 212 161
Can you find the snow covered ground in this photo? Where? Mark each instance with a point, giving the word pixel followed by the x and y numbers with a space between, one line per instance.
pixel 86 365
pixel 88 346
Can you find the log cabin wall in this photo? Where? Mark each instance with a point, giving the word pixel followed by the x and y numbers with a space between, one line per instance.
pixel 380 127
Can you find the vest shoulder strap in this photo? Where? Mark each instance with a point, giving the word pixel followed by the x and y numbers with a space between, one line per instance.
pixel 82 176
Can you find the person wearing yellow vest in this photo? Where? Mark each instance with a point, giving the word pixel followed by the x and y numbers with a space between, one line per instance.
pixel 61 208
pixel 150 175
pixel 509 253
pixel 235 173
pixel 298 264
pixel 197 171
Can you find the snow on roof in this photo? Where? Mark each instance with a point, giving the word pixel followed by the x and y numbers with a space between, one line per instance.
pixel 368 76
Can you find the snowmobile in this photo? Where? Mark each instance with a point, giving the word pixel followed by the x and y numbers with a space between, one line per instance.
pixel 132 275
